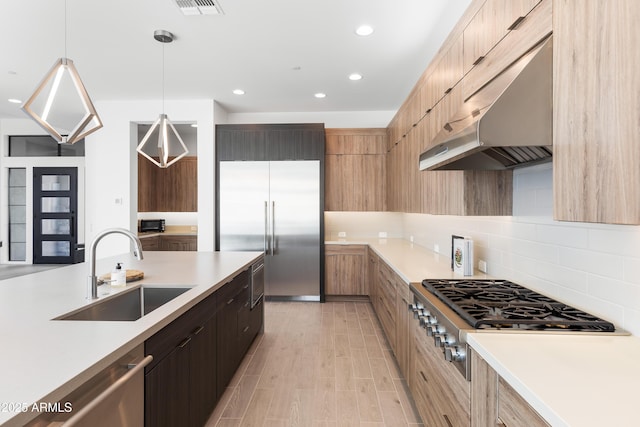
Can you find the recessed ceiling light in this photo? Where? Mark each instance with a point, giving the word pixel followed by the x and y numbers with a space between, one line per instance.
pixel 320 95
pixel 364 30
pixel 355 76
pixel 238 91
pixel 14 101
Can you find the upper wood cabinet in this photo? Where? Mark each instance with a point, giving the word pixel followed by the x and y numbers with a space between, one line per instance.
pixel 174 189
pixel 355 169
pixel 531 29
pixel 492 22
pixel 596 107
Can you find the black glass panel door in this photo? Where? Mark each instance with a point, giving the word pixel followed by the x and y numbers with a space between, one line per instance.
pixel 55 205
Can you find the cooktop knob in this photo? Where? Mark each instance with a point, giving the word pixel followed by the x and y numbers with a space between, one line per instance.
pixel 434 329
pixel 440 339
pixel 454 353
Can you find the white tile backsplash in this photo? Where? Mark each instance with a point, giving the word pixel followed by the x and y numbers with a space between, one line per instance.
pixel 595 267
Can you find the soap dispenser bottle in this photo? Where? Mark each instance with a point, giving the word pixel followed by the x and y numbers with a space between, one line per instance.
pixel 118 276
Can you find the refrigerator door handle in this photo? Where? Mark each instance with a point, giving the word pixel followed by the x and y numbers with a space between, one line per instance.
pixel 273 228
pixel 266 227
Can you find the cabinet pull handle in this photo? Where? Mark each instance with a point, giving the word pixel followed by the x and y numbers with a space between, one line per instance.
pixel 245 287
pixel 448 90
pixel 197 330
pixel 79 417
pixel 246 328
pixel 447 420
pixel 479 60
pixel 230 301
pixel 424 377
pixel 246 303
pixel 517 22
pixel 184 343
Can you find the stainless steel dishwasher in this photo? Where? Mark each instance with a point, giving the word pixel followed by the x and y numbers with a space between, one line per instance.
pixel 114 397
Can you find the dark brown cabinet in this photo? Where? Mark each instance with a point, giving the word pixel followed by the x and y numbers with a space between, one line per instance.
pixel 174 189
pixel 196 355
pixel 178 243
pixel 169 243
pixel 261 142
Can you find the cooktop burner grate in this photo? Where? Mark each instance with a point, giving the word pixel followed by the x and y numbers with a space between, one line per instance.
pixel 500 304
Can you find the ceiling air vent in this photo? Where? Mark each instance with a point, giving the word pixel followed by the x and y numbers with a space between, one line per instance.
pixel 199 7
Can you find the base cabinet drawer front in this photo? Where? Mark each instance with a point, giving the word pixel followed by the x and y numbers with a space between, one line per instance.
pixel 448 400
pixel 170 243
pixel 514 411
pixel 150 243
pixel 387 320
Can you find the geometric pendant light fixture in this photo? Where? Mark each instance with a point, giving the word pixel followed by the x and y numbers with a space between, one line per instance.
pixel 61 104
pixel 162 143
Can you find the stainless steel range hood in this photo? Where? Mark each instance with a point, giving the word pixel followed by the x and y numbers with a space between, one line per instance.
pixel 506 124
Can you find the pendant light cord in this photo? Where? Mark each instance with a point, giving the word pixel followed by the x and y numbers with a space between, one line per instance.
pixel 65 28
pixel 163 78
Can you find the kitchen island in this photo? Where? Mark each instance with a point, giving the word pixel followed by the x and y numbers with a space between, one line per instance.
pixel 43 360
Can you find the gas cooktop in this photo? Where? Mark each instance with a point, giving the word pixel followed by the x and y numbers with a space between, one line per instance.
pixel 501 304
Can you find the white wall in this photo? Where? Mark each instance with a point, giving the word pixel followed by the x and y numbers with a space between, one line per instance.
pixel 112 167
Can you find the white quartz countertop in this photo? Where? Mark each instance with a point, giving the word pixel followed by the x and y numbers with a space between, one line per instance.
pixel 571 380
pixel 575 380
pixel 413 263
pixel 42 360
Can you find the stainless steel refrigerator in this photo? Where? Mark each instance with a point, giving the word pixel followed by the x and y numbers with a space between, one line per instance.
pixel 274 206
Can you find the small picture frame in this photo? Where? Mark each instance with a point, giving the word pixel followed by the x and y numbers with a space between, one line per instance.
pixel 453 236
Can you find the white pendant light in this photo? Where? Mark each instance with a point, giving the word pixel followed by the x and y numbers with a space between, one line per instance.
pixel 60 104
pixel 162 130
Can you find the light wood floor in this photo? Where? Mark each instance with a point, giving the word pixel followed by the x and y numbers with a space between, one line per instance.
pixel 318 365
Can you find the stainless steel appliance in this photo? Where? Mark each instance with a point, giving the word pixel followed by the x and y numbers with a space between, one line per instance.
pixel 449 309
pixel 157 225
pixel 274 206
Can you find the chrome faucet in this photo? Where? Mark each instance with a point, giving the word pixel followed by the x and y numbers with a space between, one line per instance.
pixel 92 280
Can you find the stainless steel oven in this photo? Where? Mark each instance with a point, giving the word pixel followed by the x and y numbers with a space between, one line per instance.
pixel 257 282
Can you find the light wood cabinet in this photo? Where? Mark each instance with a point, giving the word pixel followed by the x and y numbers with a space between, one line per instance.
pixel 535 24
pixel 386 304
pixel 404 335
pixel 355 170
pixel 596 106
pixel 174 189
pixel 495 402
pixel 346 269
pixel 372 277
pixel 441 393
pixel 492 22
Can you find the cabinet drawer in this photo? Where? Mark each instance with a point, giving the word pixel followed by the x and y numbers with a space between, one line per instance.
pixel 163 342
pixel 387 320
pixel 234 291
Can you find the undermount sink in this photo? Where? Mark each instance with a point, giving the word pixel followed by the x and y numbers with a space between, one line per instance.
pixel 127 306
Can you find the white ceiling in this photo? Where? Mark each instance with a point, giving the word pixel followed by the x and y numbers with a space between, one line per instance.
pixel 256 46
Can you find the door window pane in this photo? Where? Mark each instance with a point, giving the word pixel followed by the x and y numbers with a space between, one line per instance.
pixel 50 248
pixel 55 204
pixel 17 214
pixel 56 182
pixel 56 226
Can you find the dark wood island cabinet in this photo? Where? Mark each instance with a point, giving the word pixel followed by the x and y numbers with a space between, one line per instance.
pixel 196 355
